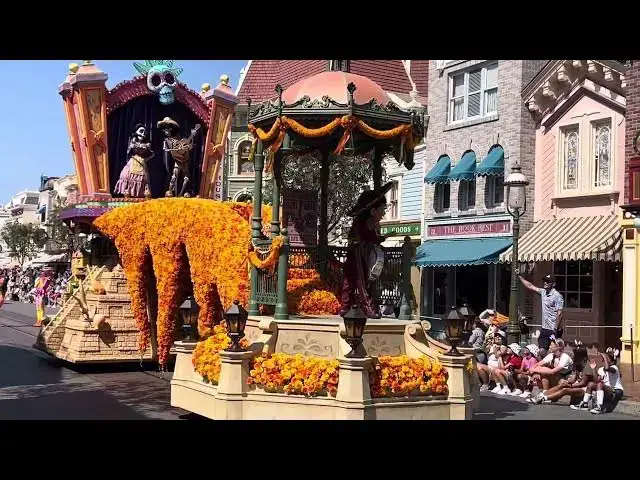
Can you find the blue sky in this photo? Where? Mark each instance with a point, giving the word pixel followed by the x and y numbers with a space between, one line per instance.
pixel 33 130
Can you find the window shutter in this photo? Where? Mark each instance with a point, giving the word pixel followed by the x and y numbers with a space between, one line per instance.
pixel 475 85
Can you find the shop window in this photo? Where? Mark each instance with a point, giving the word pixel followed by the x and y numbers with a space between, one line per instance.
pixel 495 190
pixel 574 280
pixel 602 154
pixel 245 165
pixel 570 158
pixel 442 197
pixel 467 194
pixel 393 199
pixel 439 291
pixel 634 185
pixel 473 94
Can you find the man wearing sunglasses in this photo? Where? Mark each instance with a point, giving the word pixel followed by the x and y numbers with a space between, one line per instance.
pixel 552 304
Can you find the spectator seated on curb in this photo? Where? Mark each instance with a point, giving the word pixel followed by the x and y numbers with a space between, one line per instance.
pixel 476 340
pixel 576 384
pixel 608 384
pixel 504 374
pixel 556 366
pixel 494 351
pixel 523 374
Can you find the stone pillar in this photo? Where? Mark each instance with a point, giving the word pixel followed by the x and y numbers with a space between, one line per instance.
pixel 460 395
pixel 232 386
pixel 354 393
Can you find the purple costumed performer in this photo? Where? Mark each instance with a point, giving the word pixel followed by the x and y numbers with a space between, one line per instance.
pixel 134 178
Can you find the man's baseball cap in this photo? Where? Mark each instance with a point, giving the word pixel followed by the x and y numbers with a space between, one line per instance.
pixel 549 279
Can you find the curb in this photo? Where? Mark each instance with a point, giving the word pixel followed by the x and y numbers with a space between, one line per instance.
pixel 628 407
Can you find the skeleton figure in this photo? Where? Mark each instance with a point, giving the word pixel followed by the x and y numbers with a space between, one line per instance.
pixel 134 178
pixel 179 149
pixel 161 78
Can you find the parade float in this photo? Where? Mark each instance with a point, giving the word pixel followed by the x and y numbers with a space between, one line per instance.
pixel 268 342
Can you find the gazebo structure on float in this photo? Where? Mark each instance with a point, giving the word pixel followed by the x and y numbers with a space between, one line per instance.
pixel 332 112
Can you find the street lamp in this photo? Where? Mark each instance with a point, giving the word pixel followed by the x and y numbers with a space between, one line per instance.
pixel 516 184
pixel 189 315
pixel 454 329
pixel 236 318
pixel 354 322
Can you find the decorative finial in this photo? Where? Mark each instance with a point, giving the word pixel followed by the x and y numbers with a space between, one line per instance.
pixel 224 79
pixel 87 62
pixel 351 87
pixel 205 87
pixel 74 67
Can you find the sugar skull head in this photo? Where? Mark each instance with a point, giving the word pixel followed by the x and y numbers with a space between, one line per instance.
pixel 161 78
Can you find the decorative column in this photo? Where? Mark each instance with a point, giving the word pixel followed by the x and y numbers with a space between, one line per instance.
pixel 459 384
pixel 323 228
pixel 66 92
pixel 275 199
pixel 232 386
pixel 630 355
pixel 406 290
pixel 88 97
pixel 256 222
pixel 354 393
pixel 222 103
pixel 377 168
pixel 282 308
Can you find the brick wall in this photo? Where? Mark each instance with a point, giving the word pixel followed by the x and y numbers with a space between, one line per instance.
pixel 513 128
pixel 632 118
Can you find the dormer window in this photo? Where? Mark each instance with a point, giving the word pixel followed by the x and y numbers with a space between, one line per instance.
pixel 339 65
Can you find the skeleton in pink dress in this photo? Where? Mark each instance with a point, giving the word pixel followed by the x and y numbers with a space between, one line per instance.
pixel 134 178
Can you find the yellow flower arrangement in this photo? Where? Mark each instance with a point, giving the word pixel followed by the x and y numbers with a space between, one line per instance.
pixel 404 376
pixel 295 374
pixel 206 356
pixel 271 259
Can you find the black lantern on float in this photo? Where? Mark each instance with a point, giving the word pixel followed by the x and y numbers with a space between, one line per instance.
pixel 189 311
pixel 354 322
pixel 469 317
pixel 454 329
pixel 236 318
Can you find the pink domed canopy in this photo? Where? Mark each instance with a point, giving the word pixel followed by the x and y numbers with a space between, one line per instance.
pixel 334 85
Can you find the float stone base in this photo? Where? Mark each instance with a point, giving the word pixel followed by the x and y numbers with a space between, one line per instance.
pixel 233 398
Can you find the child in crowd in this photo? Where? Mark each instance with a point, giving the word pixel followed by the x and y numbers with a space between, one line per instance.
pixel 608 384
pixel 494 351
pixel 575 384
pixel 507 363
pixel 523 374
pixel 553 368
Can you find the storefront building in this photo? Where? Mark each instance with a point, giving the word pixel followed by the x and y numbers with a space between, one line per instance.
pixel 579 109
pixel 477 129
pixel 629 219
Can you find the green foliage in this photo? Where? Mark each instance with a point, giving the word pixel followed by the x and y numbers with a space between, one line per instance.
pixel 23 241
pixel 58 231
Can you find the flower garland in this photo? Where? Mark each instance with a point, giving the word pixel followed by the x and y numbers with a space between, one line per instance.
pixel 404 376
pixel 206 356
pixel 294 374
pixel 271 259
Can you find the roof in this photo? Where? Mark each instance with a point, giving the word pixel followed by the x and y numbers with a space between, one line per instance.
pixel 262 76
pixel 334 85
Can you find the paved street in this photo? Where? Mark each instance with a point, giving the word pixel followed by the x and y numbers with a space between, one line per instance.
pixel 36 387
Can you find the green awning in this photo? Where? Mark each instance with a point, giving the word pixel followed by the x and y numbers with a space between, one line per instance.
pixel 465 169
pixel 440 171
pixel 459 252
pixel 493 164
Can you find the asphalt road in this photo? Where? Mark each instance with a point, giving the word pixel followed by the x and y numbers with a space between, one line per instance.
pixel 33 386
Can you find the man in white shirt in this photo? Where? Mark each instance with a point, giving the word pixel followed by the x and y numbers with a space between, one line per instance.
pixel 553 368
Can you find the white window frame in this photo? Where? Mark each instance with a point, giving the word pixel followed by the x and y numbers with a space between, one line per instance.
pixel 236 158
pixel 438 199
pixel 587 152
pixel 483 92
pixel 388 215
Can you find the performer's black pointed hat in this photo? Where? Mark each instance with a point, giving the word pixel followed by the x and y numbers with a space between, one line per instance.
pixel 368 199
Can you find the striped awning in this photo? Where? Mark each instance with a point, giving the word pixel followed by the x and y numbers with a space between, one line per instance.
pixel 563 239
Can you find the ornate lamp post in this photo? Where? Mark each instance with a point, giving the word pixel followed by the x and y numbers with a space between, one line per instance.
pixel 236 318
pixel 516 184
pixel 189 314
pixel 354 322
pixel 454 328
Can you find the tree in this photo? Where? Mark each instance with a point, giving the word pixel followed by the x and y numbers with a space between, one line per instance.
pixel 348 177
pixel 58 232
pixel 23 241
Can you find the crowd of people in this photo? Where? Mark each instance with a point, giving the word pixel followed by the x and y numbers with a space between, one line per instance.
pixel 550 368
pixel 26 285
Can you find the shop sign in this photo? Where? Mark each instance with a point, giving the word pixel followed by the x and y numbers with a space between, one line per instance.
pixel 479 228
pixel 400 229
